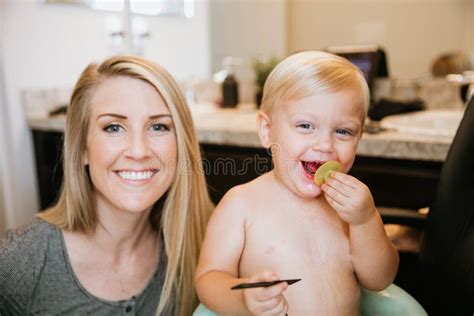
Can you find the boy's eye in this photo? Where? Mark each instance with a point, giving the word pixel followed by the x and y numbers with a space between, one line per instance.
pixel 343 131
pixel 304 126
pixel 113 128
pixel 159 127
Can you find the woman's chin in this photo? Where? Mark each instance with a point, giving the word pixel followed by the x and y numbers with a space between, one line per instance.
pixel 135 206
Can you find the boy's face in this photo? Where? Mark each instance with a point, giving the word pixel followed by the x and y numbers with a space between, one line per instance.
pixel 306 133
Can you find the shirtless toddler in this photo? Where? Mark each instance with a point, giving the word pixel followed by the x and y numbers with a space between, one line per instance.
pixel 284 226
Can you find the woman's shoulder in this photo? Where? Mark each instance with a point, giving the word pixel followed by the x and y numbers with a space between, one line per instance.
pixel 26 239
pixel 22 256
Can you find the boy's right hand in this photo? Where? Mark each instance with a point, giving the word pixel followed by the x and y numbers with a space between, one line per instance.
pixel 266 300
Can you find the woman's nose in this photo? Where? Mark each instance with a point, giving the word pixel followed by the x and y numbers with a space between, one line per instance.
pixel 137 147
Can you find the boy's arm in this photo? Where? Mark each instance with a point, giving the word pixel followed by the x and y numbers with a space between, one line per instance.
pixel 218 266
pixel 374 258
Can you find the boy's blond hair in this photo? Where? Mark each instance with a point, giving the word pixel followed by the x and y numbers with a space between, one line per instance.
pixel 309 73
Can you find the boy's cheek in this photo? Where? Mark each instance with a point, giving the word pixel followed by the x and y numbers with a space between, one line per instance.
pixel 355 142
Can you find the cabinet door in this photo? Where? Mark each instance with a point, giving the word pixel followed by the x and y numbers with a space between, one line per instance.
pixel 399 183
pixel 228 166
pixel 48 153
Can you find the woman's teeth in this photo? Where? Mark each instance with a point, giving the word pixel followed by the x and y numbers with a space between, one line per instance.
pixel 135 175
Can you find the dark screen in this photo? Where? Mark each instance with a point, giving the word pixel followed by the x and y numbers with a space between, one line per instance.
pixel 365 62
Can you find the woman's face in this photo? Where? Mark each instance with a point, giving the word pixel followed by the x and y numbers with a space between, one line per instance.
pixel 131 145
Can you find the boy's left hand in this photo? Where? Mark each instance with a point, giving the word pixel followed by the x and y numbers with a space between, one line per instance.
pixel 350 198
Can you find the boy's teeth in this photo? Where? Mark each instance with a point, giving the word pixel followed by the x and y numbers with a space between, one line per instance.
pixel 134 175
pixel 312 166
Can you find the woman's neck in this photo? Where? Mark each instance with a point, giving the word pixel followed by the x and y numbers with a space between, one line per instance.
pixel 119 232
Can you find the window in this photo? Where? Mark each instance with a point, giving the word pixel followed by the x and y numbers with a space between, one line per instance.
pixel 146 7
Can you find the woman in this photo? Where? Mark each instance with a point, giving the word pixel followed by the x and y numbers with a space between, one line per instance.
pixel 125 234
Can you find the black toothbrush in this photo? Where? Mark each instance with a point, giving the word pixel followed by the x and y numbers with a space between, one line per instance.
pixel 262 284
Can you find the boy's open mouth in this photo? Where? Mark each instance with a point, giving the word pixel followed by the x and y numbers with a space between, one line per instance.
pixel 310 167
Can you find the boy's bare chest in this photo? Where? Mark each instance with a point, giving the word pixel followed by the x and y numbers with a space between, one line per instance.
pixel 295 241
pixel 315 249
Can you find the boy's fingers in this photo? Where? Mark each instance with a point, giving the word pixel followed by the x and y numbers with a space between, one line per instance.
pixel 335 204
pixel 333 193
pixel 281 308
pixel 344 178
pixel 267 305
pixel 340 187
pixel 263 276
pixel 274 306
pixel 273 291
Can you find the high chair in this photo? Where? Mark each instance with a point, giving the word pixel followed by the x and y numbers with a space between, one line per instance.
pixel 444 269
pixel 393 301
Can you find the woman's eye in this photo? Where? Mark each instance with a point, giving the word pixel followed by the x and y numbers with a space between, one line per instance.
pixel 343 131
pixel 113 128
pixel 160 127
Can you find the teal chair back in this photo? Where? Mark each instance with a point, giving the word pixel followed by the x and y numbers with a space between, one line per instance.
pixel 393 301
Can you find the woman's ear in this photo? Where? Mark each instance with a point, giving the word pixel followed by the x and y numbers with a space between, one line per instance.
pixel 263 127
pixel 85 158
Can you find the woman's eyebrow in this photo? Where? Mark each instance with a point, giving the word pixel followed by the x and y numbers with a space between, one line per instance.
pixel 120 116
pixel 152 117
pixel 112 115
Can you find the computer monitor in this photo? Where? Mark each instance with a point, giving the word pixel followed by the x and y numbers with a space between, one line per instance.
pixel 370 59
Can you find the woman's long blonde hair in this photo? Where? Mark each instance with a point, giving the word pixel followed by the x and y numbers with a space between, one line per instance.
pixel 183 211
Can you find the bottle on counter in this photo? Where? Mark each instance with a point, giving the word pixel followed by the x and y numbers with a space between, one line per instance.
pixel 230 91
pixel 230 85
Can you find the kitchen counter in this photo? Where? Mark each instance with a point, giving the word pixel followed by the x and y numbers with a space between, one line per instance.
pixel 237 127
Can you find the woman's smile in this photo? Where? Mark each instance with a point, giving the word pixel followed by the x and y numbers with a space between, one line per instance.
pixel 137 176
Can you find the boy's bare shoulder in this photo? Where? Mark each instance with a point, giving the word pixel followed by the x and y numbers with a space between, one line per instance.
pixel 252 191
pixel 244 197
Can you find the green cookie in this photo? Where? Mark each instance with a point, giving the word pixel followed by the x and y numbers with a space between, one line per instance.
pixel 324 170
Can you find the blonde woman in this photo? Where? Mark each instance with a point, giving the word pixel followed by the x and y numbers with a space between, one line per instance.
pixel 125 234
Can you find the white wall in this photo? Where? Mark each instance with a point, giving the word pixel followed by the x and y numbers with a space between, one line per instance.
pixel 413 32
pixel 3 130
pixel 47 46
pixel 247 29
pixel 470 29
pixel 43 49
pixel 182 45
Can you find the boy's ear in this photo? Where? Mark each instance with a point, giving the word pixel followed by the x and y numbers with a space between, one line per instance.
pixel 263 126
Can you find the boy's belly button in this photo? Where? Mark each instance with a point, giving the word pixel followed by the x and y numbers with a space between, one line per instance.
pixel 269 251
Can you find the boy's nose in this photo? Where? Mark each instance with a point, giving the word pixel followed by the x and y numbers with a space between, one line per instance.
pixel 322 143
pixel 137 147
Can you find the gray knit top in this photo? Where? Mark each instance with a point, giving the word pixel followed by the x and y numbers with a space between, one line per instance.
pixel 36 278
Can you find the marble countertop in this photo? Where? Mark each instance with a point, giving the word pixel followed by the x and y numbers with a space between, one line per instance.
pixel 238 127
